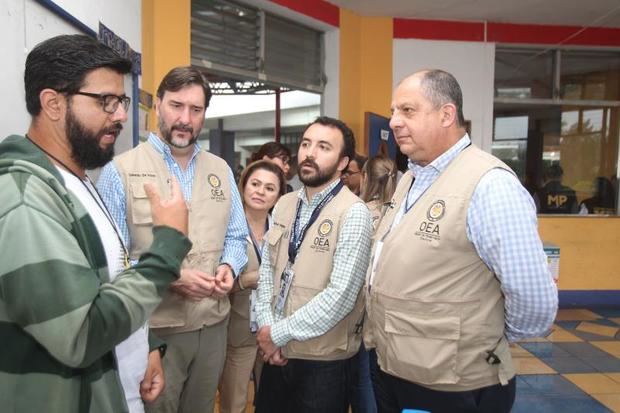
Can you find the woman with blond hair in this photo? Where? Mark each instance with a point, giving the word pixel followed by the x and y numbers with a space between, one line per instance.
pixel 378 183
pixel 261 185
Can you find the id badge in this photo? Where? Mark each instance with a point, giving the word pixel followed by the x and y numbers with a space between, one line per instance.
pixel 253 322
pixel 285 286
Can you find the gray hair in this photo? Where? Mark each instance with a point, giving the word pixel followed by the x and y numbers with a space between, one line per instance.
pixel 441 87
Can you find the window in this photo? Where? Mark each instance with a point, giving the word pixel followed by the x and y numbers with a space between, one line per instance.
pixel 589 75
pixel 236 40
pixel 523 73
pixel 558 127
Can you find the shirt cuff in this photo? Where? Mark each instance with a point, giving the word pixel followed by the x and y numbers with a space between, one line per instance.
pixel 264 320
pixel 234 266
pixel 234 273
pixel 281 333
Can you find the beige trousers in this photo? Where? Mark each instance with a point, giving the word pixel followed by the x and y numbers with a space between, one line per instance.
pixel 236 377
pixel 192 367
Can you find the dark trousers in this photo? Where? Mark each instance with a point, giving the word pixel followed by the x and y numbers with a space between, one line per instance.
pixel 305 386
pixel 394 394
pixel 362 394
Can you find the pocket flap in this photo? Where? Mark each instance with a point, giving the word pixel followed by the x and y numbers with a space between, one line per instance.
pixel 273 235
pixel 137 189
pixel 438 327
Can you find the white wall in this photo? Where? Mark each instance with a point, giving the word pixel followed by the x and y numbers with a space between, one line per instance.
pixel 25 23
pixel 123 17
pixel 472 63
pixel 330 104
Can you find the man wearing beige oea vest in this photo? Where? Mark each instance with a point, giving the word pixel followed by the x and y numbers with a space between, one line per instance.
pixel 193 317
pixel 458 270
pixel 310 304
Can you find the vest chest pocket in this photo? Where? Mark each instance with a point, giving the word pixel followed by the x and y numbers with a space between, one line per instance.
pixel 422 350
pixel 140 205
pixel 275 238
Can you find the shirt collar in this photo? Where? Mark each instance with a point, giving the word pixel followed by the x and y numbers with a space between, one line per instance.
pixel 442 162
pixel 163 148
pixel 301 194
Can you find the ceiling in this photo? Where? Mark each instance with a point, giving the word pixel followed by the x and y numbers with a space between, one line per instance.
pixel 597 13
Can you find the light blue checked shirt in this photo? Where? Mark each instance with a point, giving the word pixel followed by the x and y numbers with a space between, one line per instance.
pixel 502 225
pixel 111 188
pixel 331 305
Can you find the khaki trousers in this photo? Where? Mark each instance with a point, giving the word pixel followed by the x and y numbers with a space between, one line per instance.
pixel 192 368
pixel 236 377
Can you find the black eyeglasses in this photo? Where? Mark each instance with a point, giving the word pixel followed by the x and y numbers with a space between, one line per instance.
pixel 109 103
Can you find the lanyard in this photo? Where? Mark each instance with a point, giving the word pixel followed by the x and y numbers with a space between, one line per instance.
pixel 98 200
pixel 257 249
pixel 297 236
pixel 408 207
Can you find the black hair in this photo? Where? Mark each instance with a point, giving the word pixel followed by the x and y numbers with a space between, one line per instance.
pixel 554 171
pixel 271 150
pixel 348 148
pixel 360 160
pixel 63 62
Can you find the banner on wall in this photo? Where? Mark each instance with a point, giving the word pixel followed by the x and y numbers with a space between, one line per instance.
pixel 109 38
pixel 379 136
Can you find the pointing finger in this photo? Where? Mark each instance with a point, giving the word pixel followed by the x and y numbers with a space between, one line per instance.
pixel 152 193
pixel 175 189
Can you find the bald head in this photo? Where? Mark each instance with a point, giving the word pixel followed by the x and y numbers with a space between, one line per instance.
pixel 426 116
pixel 439 88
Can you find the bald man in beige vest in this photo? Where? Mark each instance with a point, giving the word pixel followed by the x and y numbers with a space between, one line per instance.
pixel 458 269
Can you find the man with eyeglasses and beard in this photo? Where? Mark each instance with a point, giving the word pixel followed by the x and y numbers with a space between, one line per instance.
pixel 352 176
pixel 193 318
pixel 68 297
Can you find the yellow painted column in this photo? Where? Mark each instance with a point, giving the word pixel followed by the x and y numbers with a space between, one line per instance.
pixel 365 70
pixel 589 258
pixel 166 36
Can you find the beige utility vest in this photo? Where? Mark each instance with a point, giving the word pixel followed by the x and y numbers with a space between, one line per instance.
pixel 434 308
pixel 312 269
pixel 239 334
pixel 209 213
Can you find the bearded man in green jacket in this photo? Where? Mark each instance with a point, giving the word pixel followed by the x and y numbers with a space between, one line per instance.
pixel 67 293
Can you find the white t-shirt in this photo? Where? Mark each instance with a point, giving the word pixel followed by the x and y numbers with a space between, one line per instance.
pixel 131 354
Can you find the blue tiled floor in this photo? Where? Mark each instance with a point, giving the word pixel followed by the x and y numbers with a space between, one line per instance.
pixel 568 324
pixel 557 404
pixel 605 364
pixel 582 350
pixel 566 365
pixel 545 350
pixel 576 363
pixel 552 385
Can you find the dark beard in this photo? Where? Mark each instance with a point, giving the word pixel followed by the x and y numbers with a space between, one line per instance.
pixel 320 177
pixel 85 148
pixel 167 134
